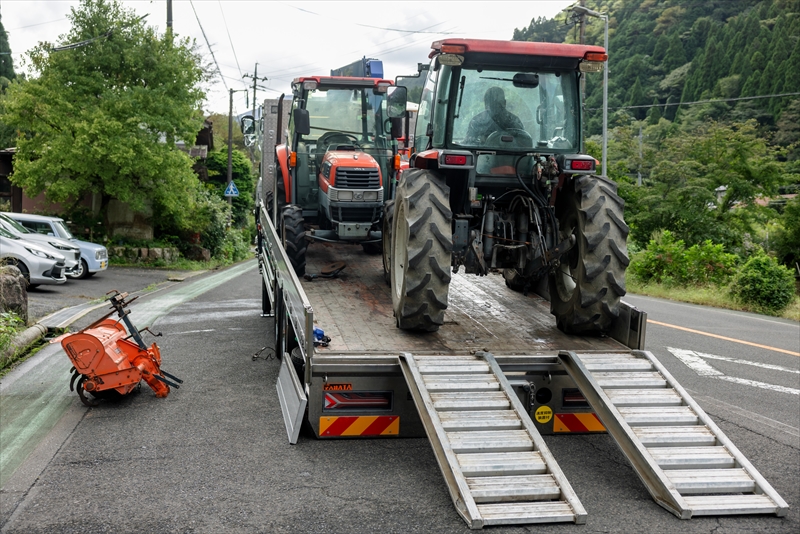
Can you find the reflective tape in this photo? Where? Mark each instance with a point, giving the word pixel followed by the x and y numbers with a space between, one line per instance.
pixel 367 425
pixel 577 422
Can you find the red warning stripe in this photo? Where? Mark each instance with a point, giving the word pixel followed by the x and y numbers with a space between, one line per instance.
pixel 373 425
pixel 577 422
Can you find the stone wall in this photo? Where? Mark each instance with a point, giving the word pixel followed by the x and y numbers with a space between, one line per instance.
pixel 144 254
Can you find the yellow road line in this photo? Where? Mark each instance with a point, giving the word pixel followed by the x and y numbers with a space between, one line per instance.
pixel 792 353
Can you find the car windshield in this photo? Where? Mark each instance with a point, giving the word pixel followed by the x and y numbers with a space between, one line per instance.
pixel 350 111
pixel 515 110
pixel 62 230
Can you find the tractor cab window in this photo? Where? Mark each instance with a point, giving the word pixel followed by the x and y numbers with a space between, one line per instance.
pixel 515 111
pixel 346 117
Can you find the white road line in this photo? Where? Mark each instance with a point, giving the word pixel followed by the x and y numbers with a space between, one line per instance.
pixel 746 362
pixel 191 332
pixel 695 362
pixel 762 385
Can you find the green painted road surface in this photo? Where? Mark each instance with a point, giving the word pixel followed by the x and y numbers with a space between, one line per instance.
pixel 34 396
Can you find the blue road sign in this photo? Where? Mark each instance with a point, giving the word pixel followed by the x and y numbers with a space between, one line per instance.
pixel 231 190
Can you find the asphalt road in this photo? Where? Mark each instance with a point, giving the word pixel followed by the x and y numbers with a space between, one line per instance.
pixel 44 300
pixel 213 456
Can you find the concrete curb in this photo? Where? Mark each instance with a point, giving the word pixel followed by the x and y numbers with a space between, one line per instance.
pixel 22 341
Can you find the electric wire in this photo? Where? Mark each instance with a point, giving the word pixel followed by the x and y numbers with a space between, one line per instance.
pixel 710 101
pixel 219 71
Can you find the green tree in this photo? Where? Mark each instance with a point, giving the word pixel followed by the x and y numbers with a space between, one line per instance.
pixel 6 61
pixel 105 113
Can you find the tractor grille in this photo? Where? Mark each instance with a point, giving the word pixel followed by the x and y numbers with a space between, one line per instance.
pixel 366 215
pixel 350 178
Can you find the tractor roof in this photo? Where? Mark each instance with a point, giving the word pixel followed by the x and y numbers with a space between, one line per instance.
pixel 517 48
pixel 484 54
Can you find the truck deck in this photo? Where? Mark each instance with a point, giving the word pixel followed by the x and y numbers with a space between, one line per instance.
pixel 355 311
pixel 483 388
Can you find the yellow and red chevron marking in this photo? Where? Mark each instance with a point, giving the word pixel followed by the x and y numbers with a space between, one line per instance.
pixel 577 422
pixel 363 425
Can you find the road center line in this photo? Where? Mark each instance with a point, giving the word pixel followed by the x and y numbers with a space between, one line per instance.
pixel 734 340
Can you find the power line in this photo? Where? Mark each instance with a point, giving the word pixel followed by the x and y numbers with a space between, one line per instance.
pixel 377 27
pixel 219 71
pixel 229 37
pixel 700 101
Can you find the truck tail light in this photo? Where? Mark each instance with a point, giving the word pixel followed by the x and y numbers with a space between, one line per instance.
pixel 455 160
pixel 352 400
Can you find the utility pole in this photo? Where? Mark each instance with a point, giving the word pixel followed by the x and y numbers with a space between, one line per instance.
pixel 169 15
pixel 256 79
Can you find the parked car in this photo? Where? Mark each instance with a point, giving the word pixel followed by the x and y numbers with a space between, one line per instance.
pixel 38 265
pixel 65 247
pixel 94 257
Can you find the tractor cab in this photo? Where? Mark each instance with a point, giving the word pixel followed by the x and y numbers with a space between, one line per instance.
pixel 340 164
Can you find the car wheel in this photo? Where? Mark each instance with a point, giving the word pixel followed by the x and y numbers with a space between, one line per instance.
pixel 81 271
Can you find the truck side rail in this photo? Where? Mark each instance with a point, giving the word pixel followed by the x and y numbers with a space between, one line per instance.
pixel 285 290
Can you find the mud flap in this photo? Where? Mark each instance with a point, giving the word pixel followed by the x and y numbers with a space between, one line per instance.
pixel 292 398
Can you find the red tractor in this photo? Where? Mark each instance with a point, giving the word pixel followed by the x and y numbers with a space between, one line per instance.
pixel 338 166
pixel 499 183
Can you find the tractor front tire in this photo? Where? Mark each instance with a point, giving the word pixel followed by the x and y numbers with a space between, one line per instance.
pixel 422 247
pixel 586 287
pixel 294 237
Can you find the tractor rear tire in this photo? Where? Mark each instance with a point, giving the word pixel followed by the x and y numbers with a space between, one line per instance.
pixel 386 235
pixel 586 287
pixel 422 247
pixel 294 237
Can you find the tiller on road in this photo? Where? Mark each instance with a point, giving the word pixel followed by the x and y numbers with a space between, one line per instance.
pixel 110 361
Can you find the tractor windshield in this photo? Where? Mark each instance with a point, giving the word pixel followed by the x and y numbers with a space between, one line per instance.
pixel 512 110
pixel 354 112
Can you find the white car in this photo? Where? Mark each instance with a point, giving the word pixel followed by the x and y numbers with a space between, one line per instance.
pixel 71 253
pixel 94 257
pixel 37 264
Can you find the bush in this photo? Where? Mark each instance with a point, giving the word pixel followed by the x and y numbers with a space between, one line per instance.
pixel 235 247
pixel 662 262
pixel 667 261
pixel 764 283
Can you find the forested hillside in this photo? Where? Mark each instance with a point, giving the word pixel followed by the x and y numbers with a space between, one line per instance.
pixel 704 140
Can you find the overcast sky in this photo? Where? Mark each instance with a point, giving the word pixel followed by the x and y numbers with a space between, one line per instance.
pixel 290 39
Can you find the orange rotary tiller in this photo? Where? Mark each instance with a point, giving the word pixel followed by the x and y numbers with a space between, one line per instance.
pixel 110 361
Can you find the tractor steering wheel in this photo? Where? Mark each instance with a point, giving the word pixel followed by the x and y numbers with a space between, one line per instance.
pixel 330 138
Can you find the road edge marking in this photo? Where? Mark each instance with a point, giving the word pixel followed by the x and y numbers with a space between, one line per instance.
pixel 717 336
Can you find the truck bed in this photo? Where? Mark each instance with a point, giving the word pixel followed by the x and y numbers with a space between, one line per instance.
pixel 355 311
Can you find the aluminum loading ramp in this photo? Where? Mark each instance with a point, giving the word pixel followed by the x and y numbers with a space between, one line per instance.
pixel 687 464
pixel 496 465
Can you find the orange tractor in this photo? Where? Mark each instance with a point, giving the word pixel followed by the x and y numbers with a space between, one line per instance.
pixel 110 361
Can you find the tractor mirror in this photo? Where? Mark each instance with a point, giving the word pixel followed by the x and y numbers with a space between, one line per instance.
pixel 526 79
pixel 396 99
pixel 248 125
pixel 302 124
pixel 397 127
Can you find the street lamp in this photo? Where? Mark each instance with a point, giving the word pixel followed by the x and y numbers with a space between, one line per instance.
pixel 584 11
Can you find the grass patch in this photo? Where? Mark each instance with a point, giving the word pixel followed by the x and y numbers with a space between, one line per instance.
pixel 181 264
pixel 710 295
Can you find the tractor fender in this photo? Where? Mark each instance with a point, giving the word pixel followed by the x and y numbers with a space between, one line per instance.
pixel 282 155
pixel 427 159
